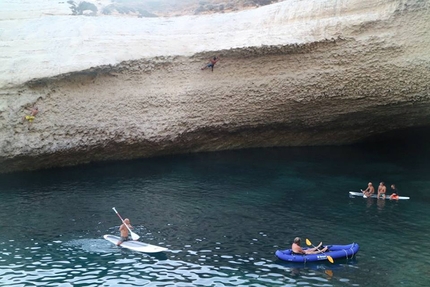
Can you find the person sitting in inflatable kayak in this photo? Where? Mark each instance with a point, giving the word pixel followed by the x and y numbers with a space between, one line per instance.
pixel 295 248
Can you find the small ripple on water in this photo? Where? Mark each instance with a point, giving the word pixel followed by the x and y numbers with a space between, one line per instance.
pixel 129 268
pixel 84 265
pixel 92 245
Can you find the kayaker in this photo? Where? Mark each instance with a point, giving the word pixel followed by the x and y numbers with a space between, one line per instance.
pixel 395 193
pixel 124 231
pixel 369 190
pixel 295 247
pixel 381 190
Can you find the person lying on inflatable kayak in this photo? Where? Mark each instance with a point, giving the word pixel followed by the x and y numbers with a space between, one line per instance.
pixel 295 248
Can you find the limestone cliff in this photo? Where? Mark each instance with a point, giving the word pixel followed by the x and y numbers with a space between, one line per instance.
pixel 292 73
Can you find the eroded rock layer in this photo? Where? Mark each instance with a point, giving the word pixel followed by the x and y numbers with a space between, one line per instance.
pixel 367 79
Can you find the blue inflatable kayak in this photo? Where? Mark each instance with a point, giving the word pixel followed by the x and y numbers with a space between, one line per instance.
pixel 335 251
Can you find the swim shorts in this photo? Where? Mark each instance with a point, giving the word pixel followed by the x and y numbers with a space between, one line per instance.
pixel 122 239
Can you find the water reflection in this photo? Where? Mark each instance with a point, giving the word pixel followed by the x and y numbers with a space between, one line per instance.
pixel 369 202
pixel 324 271
pixel 295 272
pixel 380 203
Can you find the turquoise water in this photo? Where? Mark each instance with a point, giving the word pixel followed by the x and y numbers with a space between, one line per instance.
pixel 222 215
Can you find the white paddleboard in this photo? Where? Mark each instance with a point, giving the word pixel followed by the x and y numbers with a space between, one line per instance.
pixel 387 196
pixel 135 245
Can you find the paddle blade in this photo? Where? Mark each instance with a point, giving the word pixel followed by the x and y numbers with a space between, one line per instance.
pixel 308 242
pixel 330 259
pixel 114 209
pixel 134 236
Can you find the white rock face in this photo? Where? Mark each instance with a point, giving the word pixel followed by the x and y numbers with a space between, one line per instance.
pixel 292 73
pixel 41 38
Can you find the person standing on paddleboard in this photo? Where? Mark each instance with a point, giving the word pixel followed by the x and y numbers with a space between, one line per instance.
pixel 124 231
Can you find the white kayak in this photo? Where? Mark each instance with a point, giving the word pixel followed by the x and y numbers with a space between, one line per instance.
pixel 135 245
pixel 387 196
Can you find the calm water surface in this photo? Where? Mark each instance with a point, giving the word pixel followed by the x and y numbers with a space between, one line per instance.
pixel 222 215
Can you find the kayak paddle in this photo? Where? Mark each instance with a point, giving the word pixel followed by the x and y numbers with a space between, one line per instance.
pixel 309 243
pixel 134 236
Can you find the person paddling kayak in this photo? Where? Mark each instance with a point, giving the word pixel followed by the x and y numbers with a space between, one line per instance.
pixel 124 231
pixel 295 247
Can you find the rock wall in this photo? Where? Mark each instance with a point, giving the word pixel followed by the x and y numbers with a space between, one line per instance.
pixel 338 83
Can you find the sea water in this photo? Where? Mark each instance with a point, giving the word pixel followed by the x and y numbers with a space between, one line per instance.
pixel 222 215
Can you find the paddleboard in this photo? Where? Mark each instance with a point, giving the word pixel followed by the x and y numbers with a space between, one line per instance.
pixel 135 245
pixel 354 193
